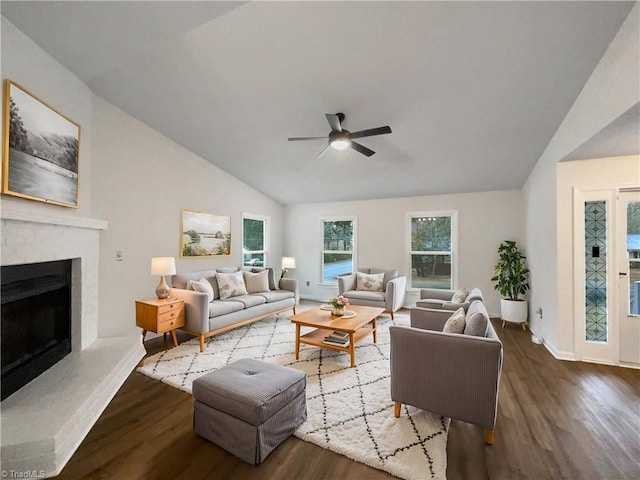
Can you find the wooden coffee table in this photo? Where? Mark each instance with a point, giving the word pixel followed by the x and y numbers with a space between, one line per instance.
pixel 358 327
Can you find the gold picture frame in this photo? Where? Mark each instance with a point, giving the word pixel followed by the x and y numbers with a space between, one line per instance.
pixel 204 234
pixel 41 146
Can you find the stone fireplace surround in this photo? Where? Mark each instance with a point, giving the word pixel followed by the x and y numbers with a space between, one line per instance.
pixel 45 421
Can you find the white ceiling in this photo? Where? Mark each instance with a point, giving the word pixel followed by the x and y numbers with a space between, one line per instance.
pixel 473 91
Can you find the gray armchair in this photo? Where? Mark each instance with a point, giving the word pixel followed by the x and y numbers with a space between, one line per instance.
pixel 450 374
pixel 391 298
pixel 441 299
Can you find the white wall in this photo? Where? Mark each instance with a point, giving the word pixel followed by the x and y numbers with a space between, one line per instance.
pixel 585 176
pixel 136 179
pixel 27 64
pixel 141 181
pixel 484 221
pixel 612 89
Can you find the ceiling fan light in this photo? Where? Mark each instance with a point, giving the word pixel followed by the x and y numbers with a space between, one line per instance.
pixel 340 144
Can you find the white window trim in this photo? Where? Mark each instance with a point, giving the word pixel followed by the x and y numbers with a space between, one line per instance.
pixel 265 252
pixel 454 244
pixel 354 257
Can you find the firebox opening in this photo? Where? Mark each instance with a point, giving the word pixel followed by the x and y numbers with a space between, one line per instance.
pixel 36 320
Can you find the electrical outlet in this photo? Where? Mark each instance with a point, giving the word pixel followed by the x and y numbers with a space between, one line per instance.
pixel 308 283
pixel 539 312
pixel 119 255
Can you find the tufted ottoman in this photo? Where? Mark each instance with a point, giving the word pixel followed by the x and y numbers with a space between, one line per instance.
pixel 249 407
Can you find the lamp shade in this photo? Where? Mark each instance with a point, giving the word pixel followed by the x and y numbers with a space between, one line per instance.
pixel 288 262
pixel 163 266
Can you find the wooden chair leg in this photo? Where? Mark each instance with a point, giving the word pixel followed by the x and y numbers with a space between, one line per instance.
pixel 489 437
pixel 396 409
pixel 524 326
pixel 201 338
pixel 392 317
pixel 504 322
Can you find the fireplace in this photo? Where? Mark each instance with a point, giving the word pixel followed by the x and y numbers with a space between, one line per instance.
pixel 36 320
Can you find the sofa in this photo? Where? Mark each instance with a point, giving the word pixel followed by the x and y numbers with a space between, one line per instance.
pixel 221 299
pixel 456 375
pixel 374 287
pixel 441 299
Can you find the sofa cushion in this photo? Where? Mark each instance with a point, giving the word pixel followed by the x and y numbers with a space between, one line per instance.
pixel 271 274
pixel 365 295
pixel 201 285
pixel 388 274
pixel 256 282
pixel 248 300
pixel 276 295
pixel 460 295
pixel 231 284
pixel 475 294
pixel 179 280
pixel 369 282
pixel 477 320
pixel 222 307
pixel 455 323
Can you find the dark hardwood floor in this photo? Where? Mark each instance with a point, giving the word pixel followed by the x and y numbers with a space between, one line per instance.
pixel 556 420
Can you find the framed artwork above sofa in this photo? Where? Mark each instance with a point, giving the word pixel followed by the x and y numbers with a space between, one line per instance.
pixel 204 234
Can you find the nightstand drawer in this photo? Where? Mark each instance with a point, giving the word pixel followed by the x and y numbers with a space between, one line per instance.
pixel 171 323
pixel 170 307
pixel 165 315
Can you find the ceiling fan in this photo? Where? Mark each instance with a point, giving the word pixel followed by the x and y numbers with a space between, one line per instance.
pixel 341 139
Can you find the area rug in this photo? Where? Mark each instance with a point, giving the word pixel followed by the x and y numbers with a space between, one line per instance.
pixel 349 410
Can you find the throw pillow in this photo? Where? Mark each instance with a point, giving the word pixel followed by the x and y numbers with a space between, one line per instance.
pixel 455 323
pixel 369 282
pixel 256 282
pixel 231 284
pixel 201 285
pixel 477 325
pixel 460 296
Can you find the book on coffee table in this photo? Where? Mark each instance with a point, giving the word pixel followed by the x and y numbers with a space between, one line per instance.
pixel 340 343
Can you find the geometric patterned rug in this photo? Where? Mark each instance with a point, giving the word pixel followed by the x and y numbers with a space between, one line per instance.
pixel 349 410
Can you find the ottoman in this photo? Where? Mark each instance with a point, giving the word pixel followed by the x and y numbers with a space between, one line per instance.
pixel 249 407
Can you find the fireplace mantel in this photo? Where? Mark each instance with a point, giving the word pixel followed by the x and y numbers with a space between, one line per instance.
pixel 14 212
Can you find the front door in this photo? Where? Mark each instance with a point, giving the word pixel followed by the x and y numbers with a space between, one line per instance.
pixel 628 263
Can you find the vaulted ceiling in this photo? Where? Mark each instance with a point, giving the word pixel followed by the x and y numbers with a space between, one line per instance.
pixel 473 91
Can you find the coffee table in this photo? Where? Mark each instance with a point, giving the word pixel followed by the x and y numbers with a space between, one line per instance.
pixel 358 327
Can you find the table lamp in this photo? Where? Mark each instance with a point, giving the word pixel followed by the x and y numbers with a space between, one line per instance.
pixel 287 263
pixel 163 266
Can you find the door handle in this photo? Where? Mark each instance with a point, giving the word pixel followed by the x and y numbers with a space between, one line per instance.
pixel 624 274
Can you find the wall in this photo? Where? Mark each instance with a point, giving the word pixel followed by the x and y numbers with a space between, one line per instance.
pixel 484 220
pixel 141 181
pixel 588 175
pixel 612 90
pixel 136 179
pixel 27 64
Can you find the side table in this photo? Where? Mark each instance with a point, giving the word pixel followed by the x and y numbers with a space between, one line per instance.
pixel 160 316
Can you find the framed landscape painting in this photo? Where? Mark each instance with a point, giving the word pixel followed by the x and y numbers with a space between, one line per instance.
pixel 40 150
pixel 205 234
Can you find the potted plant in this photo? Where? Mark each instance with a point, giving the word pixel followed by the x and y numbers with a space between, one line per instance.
pixel 511 282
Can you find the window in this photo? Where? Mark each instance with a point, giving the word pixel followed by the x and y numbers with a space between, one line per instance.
pixel 432 243
pixel 338 248
pixel 254 241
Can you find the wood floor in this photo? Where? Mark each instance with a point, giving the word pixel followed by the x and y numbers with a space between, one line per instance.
pixel 556 420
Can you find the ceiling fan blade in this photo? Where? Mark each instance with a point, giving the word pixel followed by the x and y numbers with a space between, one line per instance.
pixel 323 151
pixel 371 132
pixel 334 121
pixel 295 139
pixel 361 149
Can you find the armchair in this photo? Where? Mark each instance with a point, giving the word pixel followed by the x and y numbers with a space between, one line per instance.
pixel 450 374
pixel 391 297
